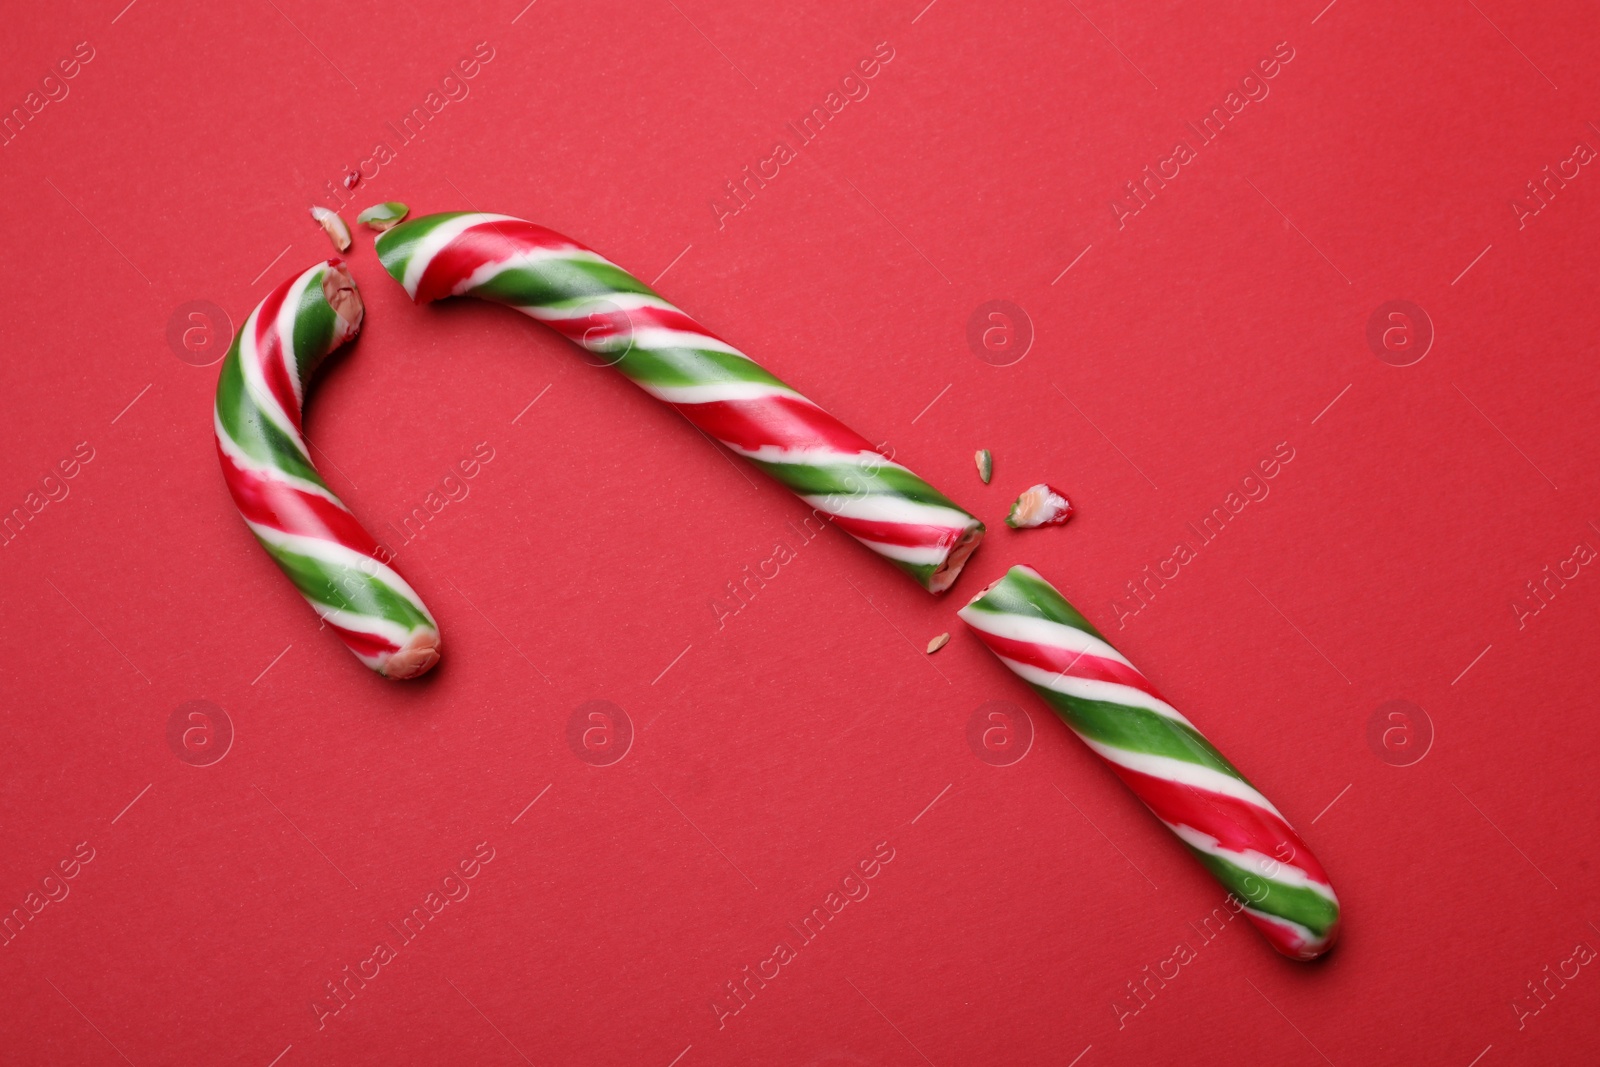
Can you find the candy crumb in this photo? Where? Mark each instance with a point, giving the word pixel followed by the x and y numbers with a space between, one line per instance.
pixel 1041 505
pixel 382 217
pixel 333 225
pixel 938 642
pixel 985 462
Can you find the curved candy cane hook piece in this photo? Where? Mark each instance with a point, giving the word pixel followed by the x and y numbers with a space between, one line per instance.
pixel 305 528
pixel 608 311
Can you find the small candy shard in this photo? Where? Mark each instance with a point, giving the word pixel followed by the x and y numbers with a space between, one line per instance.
pixel 937 643
pixel 985 463
pixel 381 217
pixel 1039 506
pixel 333 225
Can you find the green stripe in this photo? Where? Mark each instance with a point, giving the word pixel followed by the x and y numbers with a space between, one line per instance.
pixel 1137 729
pixel 255 434
pixel 922 572
pixel 1304 906
pixel 243 420
pixel 315 325
pixel 841 479
pixel 231 399
pixel 668 367
pixel 1112 723
pixel 1020 593
pixel 552 281
pixel 396 245
pixel 346 588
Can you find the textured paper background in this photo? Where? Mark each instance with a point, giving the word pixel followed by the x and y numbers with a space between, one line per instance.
pixel 1170 353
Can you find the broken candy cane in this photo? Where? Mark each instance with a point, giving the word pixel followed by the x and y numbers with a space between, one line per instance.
pixel 608 311
pixel 308 531
pixel 1234 830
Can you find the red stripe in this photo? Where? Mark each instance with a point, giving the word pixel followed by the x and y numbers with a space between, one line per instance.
pixel 1236 824
pixel 619 322
pixel 1288 940
pixel 1073 664
pixel 363 643
pixel 271 503
pixel 269 348
pixel 904 534
pixel 783 421
pixel 477 246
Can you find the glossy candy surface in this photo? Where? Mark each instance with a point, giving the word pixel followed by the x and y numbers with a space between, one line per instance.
pixel 606 310
pixel 305 528
pixel 1229 826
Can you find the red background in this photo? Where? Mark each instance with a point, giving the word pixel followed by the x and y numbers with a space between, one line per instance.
pixel 772 754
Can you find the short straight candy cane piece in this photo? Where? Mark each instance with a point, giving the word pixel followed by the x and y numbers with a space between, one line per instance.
pixel 331 559
pixel 609 312
pixel 1234 830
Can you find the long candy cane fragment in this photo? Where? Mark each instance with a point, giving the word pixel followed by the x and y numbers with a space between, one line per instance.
pixel 609 312
pixel 1234 830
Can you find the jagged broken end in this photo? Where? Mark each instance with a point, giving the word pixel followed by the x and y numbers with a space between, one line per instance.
pixel 948 571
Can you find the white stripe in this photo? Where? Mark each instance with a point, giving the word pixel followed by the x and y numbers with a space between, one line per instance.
pixel 1092 689
pixel 1304 933
pixel 288 311
pixel 528 257
pixel 657 338
pixel 1039 632
pixel 335 554
pixel 255 387
pixel 865 460
pixel 615 303
pixel 267 471
pixel 1183 772
pixel 423 252
pixel 392 632
pixel 255 383
pixel 371 662
pixel 921 557
pixel 719 392
pixel 1253 862
pixel 588 305
pixel 883 507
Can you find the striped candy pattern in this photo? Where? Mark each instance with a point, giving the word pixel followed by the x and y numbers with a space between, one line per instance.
pixel 308 531
pixel 1234 830
pixel 614 315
